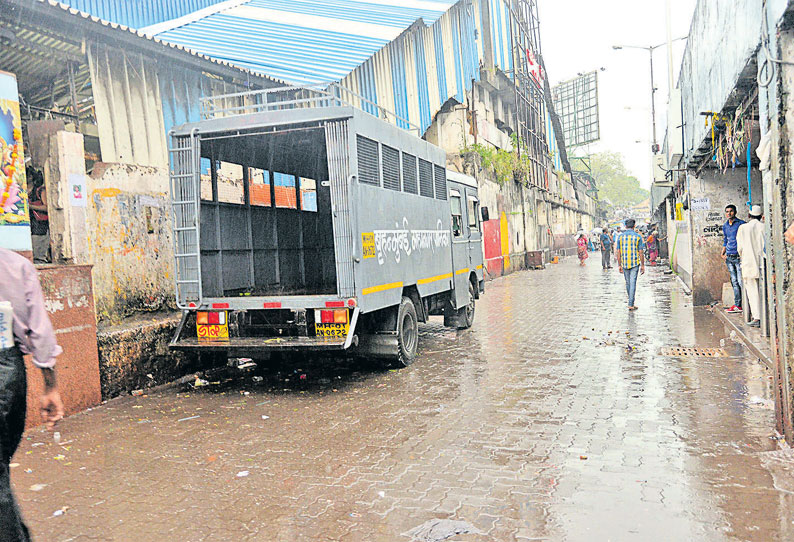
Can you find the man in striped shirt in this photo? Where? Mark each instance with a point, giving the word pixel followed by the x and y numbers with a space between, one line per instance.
pixel 630 249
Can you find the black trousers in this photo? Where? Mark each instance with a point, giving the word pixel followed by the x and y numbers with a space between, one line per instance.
pixel 13 390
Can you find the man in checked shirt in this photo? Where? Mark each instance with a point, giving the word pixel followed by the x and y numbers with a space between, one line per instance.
pixel 631 259
pixel 22 305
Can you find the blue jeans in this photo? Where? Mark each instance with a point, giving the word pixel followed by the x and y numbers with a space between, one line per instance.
pixel 631 282
pixel 735 269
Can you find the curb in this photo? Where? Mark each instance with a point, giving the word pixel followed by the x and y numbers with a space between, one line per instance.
pixel 745 339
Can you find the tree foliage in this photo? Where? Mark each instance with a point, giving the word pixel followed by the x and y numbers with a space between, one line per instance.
pixel 613 180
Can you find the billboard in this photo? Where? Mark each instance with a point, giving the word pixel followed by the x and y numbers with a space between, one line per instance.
pixel 576 103
pixel 14 219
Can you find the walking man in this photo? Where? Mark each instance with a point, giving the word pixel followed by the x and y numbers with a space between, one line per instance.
pixel 630 249
pixel 606 247
pixel 750 246
pixel 25 327
pixel 731 256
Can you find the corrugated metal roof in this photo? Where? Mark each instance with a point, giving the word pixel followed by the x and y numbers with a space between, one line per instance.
pixel 301 41
pixel 139 13
pixel 63 8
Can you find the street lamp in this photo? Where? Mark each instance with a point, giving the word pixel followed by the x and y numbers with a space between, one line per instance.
pixel 651 49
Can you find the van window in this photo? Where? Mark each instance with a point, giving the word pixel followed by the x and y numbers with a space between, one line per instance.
pixel 474 207
pixel 457 216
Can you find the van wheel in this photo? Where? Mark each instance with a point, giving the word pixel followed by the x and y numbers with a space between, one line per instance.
pixel 407 333
pixel 468 311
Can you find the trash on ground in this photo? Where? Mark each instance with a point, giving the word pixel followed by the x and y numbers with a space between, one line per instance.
pixel 60 511
pixel 245 363
pixel 56 436
pixel 265 417
pixel 137 393
pixel 37 487
pixel 436 530
pixel 200 382
pixel 189 418
pixel 303 376
pixel 582 457
pixel 257 378
pixel 59 457
pixel 243 474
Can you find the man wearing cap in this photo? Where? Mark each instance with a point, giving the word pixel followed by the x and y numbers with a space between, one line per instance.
pixel 750 246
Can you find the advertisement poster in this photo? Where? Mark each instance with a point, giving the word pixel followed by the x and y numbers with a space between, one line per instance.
pixel 14 219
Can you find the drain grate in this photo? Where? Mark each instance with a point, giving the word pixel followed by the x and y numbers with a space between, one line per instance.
pixel 693 351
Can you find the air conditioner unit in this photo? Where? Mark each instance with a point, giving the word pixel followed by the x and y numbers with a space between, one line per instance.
pixel 660 168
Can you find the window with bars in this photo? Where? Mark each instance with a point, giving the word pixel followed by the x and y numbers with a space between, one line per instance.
pixel 368 161
pixel 391 168
pixel 440 178
pixel 409 174
pixel 425 178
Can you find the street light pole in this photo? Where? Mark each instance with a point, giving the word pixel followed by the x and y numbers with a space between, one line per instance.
pixel 655 145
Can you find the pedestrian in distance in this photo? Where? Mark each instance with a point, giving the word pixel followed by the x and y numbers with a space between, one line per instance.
pixel 750 246
pixel 653 247
pixel 581 248
pixel 630 249
pixel 606 247
pixel 731 256
pixel 25 327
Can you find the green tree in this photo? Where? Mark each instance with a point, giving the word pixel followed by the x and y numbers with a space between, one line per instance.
pixel 613 180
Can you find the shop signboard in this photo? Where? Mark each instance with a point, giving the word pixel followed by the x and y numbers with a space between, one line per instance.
pixel 14 218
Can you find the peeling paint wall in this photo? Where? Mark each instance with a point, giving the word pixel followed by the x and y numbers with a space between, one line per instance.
pixel 130 240
pixel 715 190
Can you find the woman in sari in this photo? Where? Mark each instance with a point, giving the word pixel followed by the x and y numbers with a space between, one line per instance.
pixel 581 248
pixel 653 247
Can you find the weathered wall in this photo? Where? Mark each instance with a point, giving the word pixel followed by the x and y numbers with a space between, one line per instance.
pixel 130 240
pixel 715 191
pixel 679 243
pixel 723 38
pixel 135 355
pixel 67 296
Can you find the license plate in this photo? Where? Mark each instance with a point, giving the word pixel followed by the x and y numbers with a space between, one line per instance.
pixel 331 330
pixel 213 332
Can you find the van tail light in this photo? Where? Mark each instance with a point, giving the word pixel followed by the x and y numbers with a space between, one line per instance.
pixel 327 317
pixel 210 317
pixel 340 317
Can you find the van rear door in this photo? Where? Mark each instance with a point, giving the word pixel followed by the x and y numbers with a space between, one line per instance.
pixel 460 246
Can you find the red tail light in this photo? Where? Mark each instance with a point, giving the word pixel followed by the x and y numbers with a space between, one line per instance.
pixel 334 304
pixel 327 317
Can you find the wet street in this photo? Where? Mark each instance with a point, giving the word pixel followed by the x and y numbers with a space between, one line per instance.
pixel 554 418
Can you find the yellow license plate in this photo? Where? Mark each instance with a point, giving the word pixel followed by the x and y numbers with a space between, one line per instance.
pixel 213 332
pixel 331 330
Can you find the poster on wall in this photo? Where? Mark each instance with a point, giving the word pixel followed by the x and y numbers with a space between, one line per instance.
pixel 14 219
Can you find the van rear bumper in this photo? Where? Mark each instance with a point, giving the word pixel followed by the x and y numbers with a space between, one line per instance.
pixel 259 343
pixel 185 340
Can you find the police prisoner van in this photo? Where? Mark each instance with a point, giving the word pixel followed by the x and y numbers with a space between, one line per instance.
pixel 311 224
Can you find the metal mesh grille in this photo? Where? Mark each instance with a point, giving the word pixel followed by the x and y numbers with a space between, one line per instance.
pixel 367 160
pixel 425 178
pixel 409 173
pixel 440 177
pixel 675 351
pixel 391 168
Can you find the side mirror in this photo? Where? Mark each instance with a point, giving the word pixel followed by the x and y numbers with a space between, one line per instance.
pixel 484 213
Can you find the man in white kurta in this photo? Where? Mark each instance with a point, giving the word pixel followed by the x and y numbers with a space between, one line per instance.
pixel 750 245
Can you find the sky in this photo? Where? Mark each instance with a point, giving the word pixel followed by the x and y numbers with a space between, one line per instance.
pixel 577 37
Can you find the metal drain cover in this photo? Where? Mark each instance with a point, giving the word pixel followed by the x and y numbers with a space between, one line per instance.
pixel 693 351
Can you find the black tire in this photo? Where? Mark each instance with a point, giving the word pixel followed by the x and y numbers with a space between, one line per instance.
pixel 468 310
pixel 407 333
